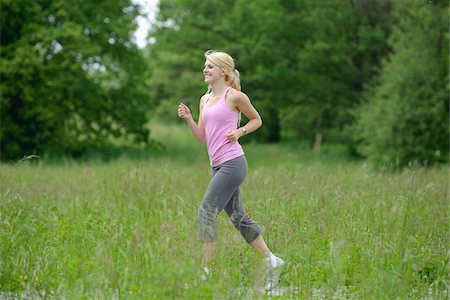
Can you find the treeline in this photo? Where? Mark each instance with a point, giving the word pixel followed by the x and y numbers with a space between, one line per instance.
pixel 372 74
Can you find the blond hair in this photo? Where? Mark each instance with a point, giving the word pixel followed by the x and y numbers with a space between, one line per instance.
pixel 227 64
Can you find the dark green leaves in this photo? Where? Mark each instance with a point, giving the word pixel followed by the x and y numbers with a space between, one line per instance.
pixel 71 77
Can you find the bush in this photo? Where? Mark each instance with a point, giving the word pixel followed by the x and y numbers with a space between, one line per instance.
pixel 405 120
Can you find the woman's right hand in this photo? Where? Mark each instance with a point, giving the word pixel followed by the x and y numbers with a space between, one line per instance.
pixel 184 112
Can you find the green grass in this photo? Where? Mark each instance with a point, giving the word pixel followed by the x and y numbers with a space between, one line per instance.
pixel 127 228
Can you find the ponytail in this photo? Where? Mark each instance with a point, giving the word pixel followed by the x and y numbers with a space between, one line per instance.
pixel 234 80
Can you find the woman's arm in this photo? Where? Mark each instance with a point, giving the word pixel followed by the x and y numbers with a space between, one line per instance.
pixel 198 130
pixel 242 103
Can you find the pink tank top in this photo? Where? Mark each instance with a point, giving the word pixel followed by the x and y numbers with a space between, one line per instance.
pixel 218 120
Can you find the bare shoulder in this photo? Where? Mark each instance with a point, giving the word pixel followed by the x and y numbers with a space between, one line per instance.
pixel 237 98
pixel 203 99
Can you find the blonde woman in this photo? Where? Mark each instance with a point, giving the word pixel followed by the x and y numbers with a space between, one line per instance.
pixel 220 110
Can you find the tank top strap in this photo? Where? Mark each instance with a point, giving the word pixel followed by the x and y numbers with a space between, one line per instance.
pixel 207 98
pixel 224 94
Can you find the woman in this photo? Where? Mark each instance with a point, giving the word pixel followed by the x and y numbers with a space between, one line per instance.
pixel 219 116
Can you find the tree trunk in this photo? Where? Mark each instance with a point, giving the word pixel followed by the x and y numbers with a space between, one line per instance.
pixel 318 142
pixel 318 137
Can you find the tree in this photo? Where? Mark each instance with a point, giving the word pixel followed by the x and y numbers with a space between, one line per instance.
pixel 341 49
pixel 406 117
pixel 303 63
pixel 70 76
pixel 253 32
pixel 267 40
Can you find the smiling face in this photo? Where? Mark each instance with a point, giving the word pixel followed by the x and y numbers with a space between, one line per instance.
pixel 212 72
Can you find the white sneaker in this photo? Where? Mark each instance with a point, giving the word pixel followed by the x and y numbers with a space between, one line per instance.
pixel 206 273
pixel 273 269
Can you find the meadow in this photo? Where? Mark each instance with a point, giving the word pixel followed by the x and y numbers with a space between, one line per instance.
pixel 126 228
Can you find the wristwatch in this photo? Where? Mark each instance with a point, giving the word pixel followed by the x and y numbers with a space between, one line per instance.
pixel 244 130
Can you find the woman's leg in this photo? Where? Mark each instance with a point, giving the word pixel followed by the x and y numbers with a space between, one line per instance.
pixel 226 179
pixel 260 245
pixel 208 248
pixel 249 230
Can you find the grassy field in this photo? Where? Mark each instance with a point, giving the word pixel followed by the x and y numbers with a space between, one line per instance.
pixel 126 228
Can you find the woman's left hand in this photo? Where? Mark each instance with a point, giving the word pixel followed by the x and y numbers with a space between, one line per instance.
pixel 234 135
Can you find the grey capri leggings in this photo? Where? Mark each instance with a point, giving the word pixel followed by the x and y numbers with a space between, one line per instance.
pixel 223 193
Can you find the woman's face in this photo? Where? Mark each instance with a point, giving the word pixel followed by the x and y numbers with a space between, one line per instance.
pixel 211 72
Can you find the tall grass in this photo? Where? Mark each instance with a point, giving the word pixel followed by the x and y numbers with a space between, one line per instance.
pixel 127 228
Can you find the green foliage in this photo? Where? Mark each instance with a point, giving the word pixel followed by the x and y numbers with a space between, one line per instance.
pixel 71 78
pixel 406 117
pixel 303 63
pixel 184 30
pixel 340 53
